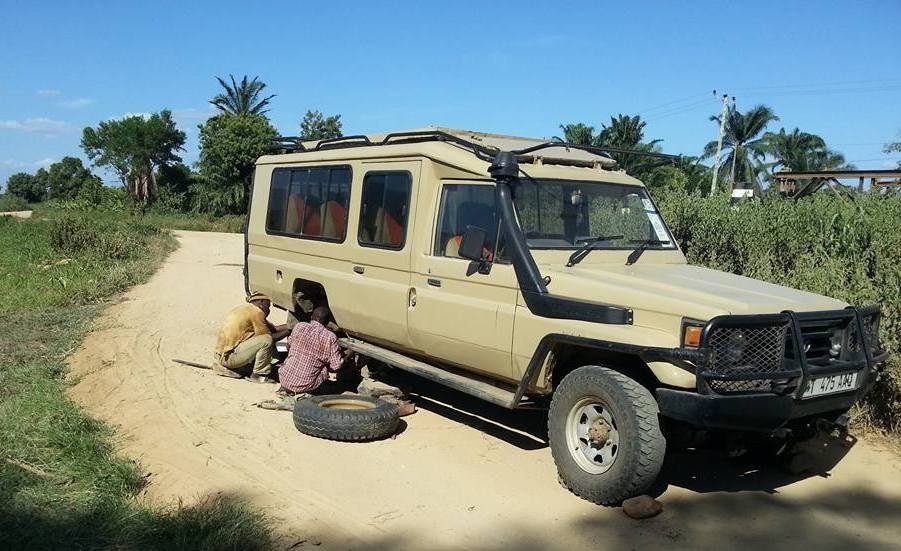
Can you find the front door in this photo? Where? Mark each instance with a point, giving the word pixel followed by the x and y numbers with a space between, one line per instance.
pixel 464 319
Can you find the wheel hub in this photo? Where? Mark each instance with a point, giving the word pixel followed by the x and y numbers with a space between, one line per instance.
pixel 592 435
pixel 599 433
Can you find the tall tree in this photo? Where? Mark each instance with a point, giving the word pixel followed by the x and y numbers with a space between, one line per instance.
pixel 66 177
pixel 242 98
pixel 579 134
pixel 135 147
pixel 316 126
pixel 801 151
pixel 743 142
pixel 229 147
pixel 623 132
pixel 26 186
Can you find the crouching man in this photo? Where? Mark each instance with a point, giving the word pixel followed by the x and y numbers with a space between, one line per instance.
pixel 247 341
pixel 313 352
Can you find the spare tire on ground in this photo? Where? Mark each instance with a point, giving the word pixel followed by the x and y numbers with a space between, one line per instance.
pixel 345 417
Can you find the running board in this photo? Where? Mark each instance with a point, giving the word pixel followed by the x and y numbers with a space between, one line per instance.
pixel 479 389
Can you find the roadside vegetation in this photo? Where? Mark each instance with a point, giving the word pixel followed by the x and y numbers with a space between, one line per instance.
pixel 62 485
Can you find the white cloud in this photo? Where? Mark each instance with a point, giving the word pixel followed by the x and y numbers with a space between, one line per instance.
pixel 130 114
pixel 192 114
pixel 18 165
pixel 49 93
pixel 77 103
pixel 39 125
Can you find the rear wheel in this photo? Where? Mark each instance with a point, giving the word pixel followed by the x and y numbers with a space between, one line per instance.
pixel 605 435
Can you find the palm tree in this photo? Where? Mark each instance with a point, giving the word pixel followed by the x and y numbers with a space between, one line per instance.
pixel 801 151
pixel 242 98
pixel 625 132
pixel 579 134
pixel 746 148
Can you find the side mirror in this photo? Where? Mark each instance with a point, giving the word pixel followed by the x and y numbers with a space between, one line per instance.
pixel 473 244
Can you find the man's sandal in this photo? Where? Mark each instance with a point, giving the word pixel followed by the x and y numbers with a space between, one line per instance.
pixel 223 371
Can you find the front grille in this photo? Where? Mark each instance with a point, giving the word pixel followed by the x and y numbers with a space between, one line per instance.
pixel 870 323
pixel 775 352
pixel 745 356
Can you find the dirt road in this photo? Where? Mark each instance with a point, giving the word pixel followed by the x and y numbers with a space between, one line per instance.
pixel 462 475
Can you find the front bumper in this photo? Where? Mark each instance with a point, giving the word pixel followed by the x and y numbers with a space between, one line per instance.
pixel 759 412
pixel 770 398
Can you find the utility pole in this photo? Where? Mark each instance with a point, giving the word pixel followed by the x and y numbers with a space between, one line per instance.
pixel 719 143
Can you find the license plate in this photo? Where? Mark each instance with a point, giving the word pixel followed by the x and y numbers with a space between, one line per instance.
pixel 831 384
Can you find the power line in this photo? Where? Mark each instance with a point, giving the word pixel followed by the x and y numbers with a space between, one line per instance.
pixel 669 103
pixel 821 84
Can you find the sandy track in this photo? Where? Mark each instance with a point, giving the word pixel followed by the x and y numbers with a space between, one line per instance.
pixel 461 475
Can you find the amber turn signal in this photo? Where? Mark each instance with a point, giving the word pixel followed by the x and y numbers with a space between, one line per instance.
pixel 692 336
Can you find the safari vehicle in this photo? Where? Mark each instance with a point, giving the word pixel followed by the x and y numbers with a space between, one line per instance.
pixel 529 273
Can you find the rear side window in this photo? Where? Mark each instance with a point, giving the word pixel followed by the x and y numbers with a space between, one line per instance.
pixel 384 209
pixel 309 202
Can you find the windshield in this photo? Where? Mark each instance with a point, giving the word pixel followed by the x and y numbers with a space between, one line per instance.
pixel 565 214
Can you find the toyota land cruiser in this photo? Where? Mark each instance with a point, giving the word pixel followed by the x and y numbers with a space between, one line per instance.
pixel 530 273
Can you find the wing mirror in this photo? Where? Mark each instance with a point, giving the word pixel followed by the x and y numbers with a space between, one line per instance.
pixel 472 247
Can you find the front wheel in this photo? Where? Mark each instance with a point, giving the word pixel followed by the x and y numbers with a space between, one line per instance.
pixel 605 435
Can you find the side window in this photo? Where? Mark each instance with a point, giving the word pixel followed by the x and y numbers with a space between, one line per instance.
pixel 384 209
pixel 310 202
pixel 462 206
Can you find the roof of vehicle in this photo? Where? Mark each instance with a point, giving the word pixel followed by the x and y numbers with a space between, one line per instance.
pixel 467 150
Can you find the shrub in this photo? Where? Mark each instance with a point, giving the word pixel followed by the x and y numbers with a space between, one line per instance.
pixel 79 235
pixel 11 203
pixel 847 249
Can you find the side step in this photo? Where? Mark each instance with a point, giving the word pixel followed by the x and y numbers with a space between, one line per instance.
pixel 479 389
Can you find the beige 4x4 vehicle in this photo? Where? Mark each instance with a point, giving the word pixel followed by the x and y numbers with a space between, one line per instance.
pixel 523 272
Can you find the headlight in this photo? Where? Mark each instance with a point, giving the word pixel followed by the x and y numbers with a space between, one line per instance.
pixel 734 346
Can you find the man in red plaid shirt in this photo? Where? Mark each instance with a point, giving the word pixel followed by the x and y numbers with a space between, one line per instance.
pixel 313 352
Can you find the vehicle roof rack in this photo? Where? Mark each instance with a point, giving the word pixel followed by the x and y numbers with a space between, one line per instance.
pixel 294 144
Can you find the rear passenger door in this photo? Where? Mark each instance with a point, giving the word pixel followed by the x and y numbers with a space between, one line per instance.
pixel 461 317
pixel 380 281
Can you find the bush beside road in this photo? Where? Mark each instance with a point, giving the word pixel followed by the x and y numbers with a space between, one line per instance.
pixel 62 483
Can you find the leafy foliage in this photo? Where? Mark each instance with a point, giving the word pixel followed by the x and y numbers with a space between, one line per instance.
pixel 28 187
pixel 11 203
pixel 241 98
pixel 66 177
pixel 745 148
pixel 801 151
pixel 850 250
pixel 316 126
pixel 623 132
pixel 135 147
pixel 229 147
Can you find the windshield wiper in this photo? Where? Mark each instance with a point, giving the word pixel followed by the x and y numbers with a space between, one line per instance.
pixel 583 251
pixel 636 254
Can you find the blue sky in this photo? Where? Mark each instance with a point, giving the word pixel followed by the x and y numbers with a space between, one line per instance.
pixel 832 68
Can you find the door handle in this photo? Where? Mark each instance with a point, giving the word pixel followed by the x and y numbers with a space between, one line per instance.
pixel 359 269
pixel 433 282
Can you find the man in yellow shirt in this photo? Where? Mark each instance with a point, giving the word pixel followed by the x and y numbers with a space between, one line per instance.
pixel 247 339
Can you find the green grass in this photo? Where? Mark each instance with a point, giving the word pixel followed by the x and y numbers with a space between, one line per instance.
pixel 170 220
pixel 62 486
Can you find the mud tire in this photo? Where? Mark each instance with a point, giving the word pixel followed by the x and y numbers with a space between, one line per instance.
pixel 641 446
pixel 367 419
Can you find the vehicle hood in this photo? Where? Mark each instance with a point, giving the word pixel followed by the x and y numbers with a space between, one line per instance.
pixel 680 289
